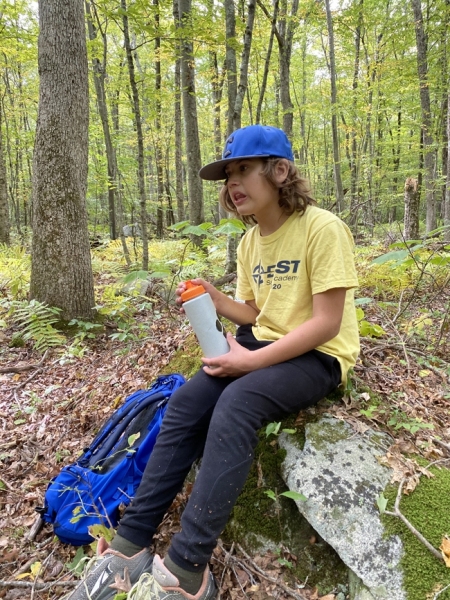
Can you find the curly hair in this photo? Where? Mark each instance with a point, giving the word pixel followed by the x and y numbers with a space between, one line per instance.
pixel 294 192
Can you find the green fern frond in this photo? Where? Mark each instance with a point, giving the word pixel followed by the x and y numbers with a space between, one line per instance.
pixel 36 321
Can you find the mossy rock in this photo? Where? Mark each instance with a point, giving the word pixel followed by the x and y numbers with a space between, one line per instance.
pixel 259 523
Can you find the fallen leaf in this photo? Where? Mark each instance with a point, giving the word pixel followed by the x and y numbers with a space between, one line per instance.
pixel 445 549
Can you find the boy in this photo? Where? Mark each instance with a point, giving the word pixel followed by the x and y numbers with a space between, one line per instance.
pixel 297 337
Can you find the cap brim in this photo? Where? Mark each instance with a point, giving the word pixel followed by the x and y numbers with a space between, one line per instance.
pixel 215 171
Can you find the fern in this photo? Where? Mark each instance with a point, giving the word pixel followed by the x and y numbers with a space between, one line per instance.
pixel 36 321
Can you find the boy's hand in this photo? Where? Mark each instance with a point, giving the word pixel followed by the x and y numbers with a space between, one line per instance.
pixel 237 362
pixel 181 287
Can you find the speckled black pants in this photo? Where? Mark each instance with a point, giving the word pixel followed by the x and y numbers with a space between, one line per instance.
pixel 218 418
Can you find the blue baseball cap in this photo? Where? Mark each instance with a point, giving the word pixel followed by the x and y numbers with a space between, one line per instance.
pixel 254 141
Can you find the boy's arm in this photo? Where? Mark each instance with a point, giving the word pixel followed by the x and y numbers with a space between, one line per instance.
pixel 328 308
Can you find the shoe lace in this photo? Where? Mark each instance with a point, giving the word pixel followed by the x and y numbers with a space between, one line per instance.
pixel 145 589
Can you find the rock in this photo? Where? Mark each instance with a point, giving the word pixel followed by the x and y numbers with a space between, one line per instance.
pixel 133 230
pixel 337 470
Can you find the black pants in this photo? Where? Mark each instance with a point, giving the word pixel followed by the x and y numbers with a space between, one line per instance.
pixel 218 419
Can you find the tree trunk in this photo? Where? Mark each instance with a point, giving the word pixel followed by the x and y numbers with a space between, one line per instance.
pixel 411 218
pixel 4 207
pixel 178 126
pixel 268 57
pixel 230 57
pixel 158 127
pixel 354 196
pixel 61 272
pixel 99 69
pixel 195 183
pixel 334 107
pixel 428 150
pixel 140 138
pixel 286 29
pixel 245 59
pixel 447 187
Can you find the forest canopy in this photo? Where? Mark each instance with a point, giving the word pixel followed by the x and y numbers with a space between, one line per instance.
pixel 269 62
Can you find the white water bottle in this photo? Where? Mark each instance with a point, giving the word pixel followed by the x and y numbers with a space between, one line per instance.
pixel 202 315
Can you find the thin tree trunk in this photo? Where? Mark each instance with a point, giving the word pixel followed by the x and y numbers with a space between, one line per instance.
pixel 230 34
pixel 354 199
pixel 178 126
pixel 4 207
pixel 286 29
pixel 99 69
pixel 158 150
pixel 334 107
pixel 273 30
pixel 411 218
pixel 447 188
pixel 195 184
pixel 428 150
pixel 245 59
pixel 140 138
pixel 61 272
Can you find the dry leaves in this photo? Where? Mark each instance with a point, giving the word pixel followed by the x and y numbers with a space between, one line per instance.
pixel 445 549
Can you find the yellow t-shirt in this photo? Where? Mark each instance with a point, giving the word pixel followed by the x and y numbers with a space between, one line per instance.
pixel 307 255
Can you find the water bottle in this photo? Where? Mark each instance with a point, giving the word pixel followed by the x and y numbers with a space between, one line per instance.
pixel 202 315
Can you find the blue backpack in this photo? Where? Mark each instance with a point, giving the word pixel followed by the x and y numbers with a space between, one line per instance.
pixel 108 473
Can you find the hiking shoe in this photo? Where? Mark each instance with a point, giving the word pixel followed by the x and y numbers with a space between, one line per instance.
pixel 111 573
pixel 163 585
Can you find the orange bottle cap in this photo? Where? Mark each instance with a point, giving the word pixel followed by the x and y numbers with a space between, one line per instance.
pixel 192 291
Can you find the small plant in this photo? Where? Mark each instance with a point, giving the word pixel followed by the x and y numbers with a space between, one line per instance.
pixel 36 321
pixel 274 429
pixel 85 329
pixel 399 420
pixel 366 328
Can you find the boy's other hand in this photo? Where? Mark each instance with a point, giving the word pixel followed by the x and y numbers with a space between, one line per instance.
pixel 235 363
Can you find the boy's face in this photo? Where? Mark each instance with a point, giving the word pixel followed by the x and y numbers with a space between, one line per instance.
pixel 250 192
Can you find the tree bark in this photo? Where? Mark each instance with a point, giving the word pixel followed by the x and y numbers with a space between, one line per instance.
pixel 140 138
pixel 428 150
pixel 447 187
pixel 286 29
pixel 4 205
pixel 273 32
pixel 178 123
pixel 334 107
pixel 243 72
pixel 354 195
pixel 411 218
pixel 61 272
pixel 99 69
pixel 231 62
pixel 158 127
pixel 195 184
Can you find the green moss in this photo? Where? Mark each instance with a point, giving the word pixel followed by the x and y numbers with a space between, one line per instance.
pixel 428 510
pixel 187 360
pixel 259 522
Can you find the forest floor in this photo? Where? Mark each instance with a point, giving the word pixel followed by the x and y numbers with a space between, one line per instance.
pixel 51 407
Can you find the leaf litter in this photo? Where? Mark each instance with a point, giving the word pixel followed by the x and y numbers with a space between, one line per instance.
pixel 50 412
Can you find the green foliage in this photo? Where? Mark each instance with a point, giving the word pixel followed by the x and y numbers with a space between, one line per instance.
pixel 427 508
pixel 273 428
pixel 366 328
pixel 15 267
pixel 36 321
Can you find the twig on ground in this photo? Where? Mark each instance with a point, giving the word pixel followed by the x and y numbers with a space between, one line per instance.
pixel 397 513
pixel 35 529
pixel 260 572
pixel 437 594
pixel 42 587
